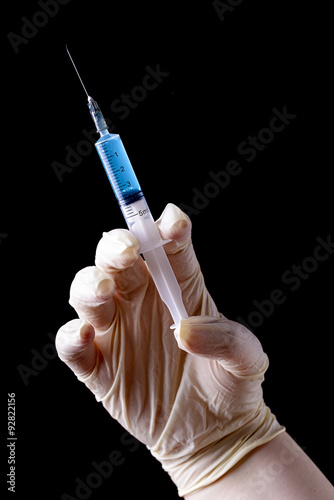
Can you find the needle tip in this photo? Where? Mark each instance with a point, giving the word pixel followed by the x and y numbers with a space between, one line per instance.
pixel 76 71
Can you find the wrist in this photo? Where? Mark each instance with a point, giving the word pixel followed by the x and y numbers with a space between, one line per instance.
pixel 196 465
pixel 275 470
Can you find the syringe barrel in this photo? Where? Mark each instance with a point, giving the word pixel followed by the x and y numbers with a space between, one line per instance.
pixel 140 221
pixel 118 168
pixel 128 191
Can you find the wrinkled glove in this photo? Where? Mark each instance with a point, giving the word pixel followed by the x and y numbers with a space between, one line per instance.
pixel 193 397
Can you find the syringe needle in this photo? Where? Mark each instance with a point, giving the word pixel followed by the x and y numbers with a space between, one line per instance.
pixel 77 71
pixel 96 114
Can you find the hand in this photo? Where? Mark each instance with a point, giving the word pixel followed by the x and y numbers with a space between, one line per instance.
pixel 194 398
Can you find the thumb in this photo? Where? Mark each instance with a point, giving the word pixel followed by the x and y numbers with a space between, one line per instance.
pixel 235 348
pixel 75 346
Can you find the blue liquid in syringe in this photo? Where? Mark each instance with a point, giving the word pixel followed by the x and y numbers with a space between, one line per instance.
pixel 118 168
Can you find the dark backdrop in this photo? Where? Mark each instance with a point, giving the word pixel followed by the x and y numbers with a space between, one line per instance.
pixel 223 72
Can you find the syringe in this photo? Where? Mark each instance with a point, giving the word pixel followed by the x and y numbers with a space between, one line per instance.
pixel 135 210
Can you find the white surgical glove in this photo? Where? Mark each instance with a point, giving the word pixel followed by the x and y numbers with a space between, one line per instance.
pixel 193 397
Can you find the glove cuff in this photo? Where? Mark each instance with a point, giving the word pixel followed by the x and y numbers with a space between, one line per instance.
pixel 194 472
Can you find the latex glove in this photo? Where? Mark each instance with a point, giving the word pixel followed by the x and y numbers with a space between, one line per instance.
pixel 196 402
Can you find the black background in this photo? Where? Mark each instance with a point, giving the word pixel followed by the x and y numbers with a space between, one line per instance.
pixel 224 79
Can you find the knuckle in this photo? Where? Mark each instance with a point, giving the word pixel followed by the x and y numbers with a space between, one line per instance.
pixel 117 250
pixel 68 338
pixel 91 286
pixel 174 224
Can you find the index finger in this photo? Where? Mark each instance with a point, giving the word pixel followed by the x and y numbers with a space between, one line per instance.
pixel 176 225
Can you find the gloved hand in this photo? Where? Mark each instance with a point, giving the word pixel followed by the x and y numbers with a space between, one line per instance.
pixel 193 397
